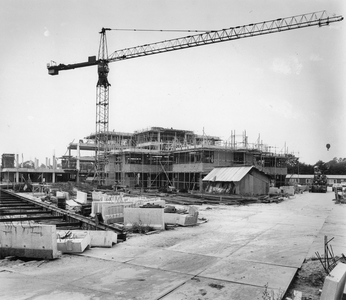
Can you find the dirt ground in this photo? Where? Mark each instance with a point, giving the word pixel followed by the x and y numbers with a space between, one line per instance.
pixel 309 279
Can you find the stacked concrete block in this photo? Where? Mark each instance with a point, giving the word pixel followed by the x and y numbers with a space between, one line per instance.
pixel 98 238
pixel 111 212
pixel 27 240
pixel 74 243
pixel 111 207
pixel 334 283
pixel 151 217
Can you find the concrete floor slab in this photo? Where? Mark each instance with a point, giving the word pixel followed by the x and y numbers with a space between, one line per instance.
pixel 318 247
pixel 204 288
pixel 31 287
pixel 238 251
pixel 175 261
pixel 10 289
pixel 251 273
pixel 65 270
pixel 276 254
pixel 217 244
pixel 329 229
pixel 118 253
pixel 124 281
pixel 209 248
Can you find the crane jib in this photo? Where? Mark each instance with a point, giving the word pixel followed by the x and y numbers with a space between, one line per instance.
pixel 215 36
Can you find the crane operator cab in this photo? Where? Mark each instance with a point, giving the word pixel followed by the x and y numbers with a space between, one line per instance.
pixel 103 71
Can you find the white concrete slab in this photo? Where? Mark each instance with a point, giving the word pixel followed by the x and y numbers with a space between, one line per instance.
pixel 205 288
pixel 251 273
pixel 118 253
pixel 174 261
pixel 124 281
pixel 290 255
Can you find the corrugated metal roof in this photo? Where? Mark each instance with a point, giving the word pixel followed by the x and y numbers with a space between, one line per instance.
pixel 295 176
pixel 227 174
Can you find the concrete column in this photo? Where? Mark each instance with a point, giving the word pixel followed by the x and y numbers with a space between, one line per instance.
pixel 17 166
pixel 78 160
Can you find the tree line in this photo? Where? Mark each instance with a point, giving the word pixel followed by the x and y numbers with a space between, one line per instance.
pixel 336 166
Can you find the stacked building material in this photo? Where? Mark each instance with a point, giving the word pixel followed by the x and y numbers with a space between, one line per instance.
pixel 111 207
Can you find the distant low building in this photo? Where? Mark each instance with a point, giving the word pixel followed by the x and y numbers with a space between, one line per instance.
pixel 306 179
pixel 12 171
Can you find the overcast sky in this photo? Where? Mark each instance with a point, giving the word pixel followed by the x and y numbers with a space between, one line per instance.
pixel 289 87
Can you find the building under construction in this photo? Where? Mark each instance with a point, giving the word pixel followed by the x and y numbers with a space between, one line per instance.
pixel 157 157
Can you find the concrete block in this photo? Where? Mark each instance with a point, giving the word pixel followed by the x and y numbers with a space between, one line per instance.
pixel 274 191
pixel 287 190
pixel 98 238
pixel 153 217
pixel 183 220
pixel 179 219
pixel 74 244
pixel 112 212
pixel 60 195
pixel 27 240
pixel 81 197
pixel 96 196
pixel 334 283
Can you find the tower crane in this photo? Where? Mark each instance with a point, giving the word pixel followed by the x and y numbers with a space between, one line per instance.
pixel 209 37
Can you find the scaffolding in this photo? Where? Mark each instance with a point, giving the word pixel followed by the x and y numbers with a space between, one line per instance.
pixel 157 157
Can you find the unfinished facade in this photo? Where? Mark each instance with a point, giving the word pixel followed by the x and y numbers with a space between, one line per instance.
pixel 158 157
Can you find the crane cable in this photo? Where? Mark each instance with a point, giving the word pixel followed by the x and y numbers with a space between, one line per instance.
pixel 159 30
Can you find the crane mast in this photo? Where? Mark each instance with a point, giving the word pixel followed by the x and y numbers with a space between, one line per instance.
pixel 210 37
pixel 102 109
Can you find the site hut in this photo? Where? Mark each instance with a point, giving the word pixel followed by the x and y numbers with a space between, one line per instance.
pixel 246 180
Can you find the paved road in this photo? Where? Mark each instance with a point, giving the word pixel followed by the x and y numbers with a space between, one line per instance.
pixel 240 249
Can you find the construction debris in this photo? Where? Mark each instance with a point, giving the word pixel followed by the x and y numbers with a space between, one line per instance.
pixel 73 242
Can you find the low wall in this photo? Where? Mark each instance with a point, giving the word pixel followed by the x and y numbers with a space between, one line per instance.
pixel 152 217
pixel 26 240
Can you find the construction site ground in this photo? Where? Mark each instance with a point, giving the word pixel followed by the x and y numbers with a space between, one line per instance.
pixel 243 252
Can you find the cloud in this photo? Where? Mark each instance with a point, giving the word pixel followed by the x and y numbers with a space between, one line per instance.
pixel 46 32
pixel 282 108
pixel 287 66
pixel 30 118
pixel 315 57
